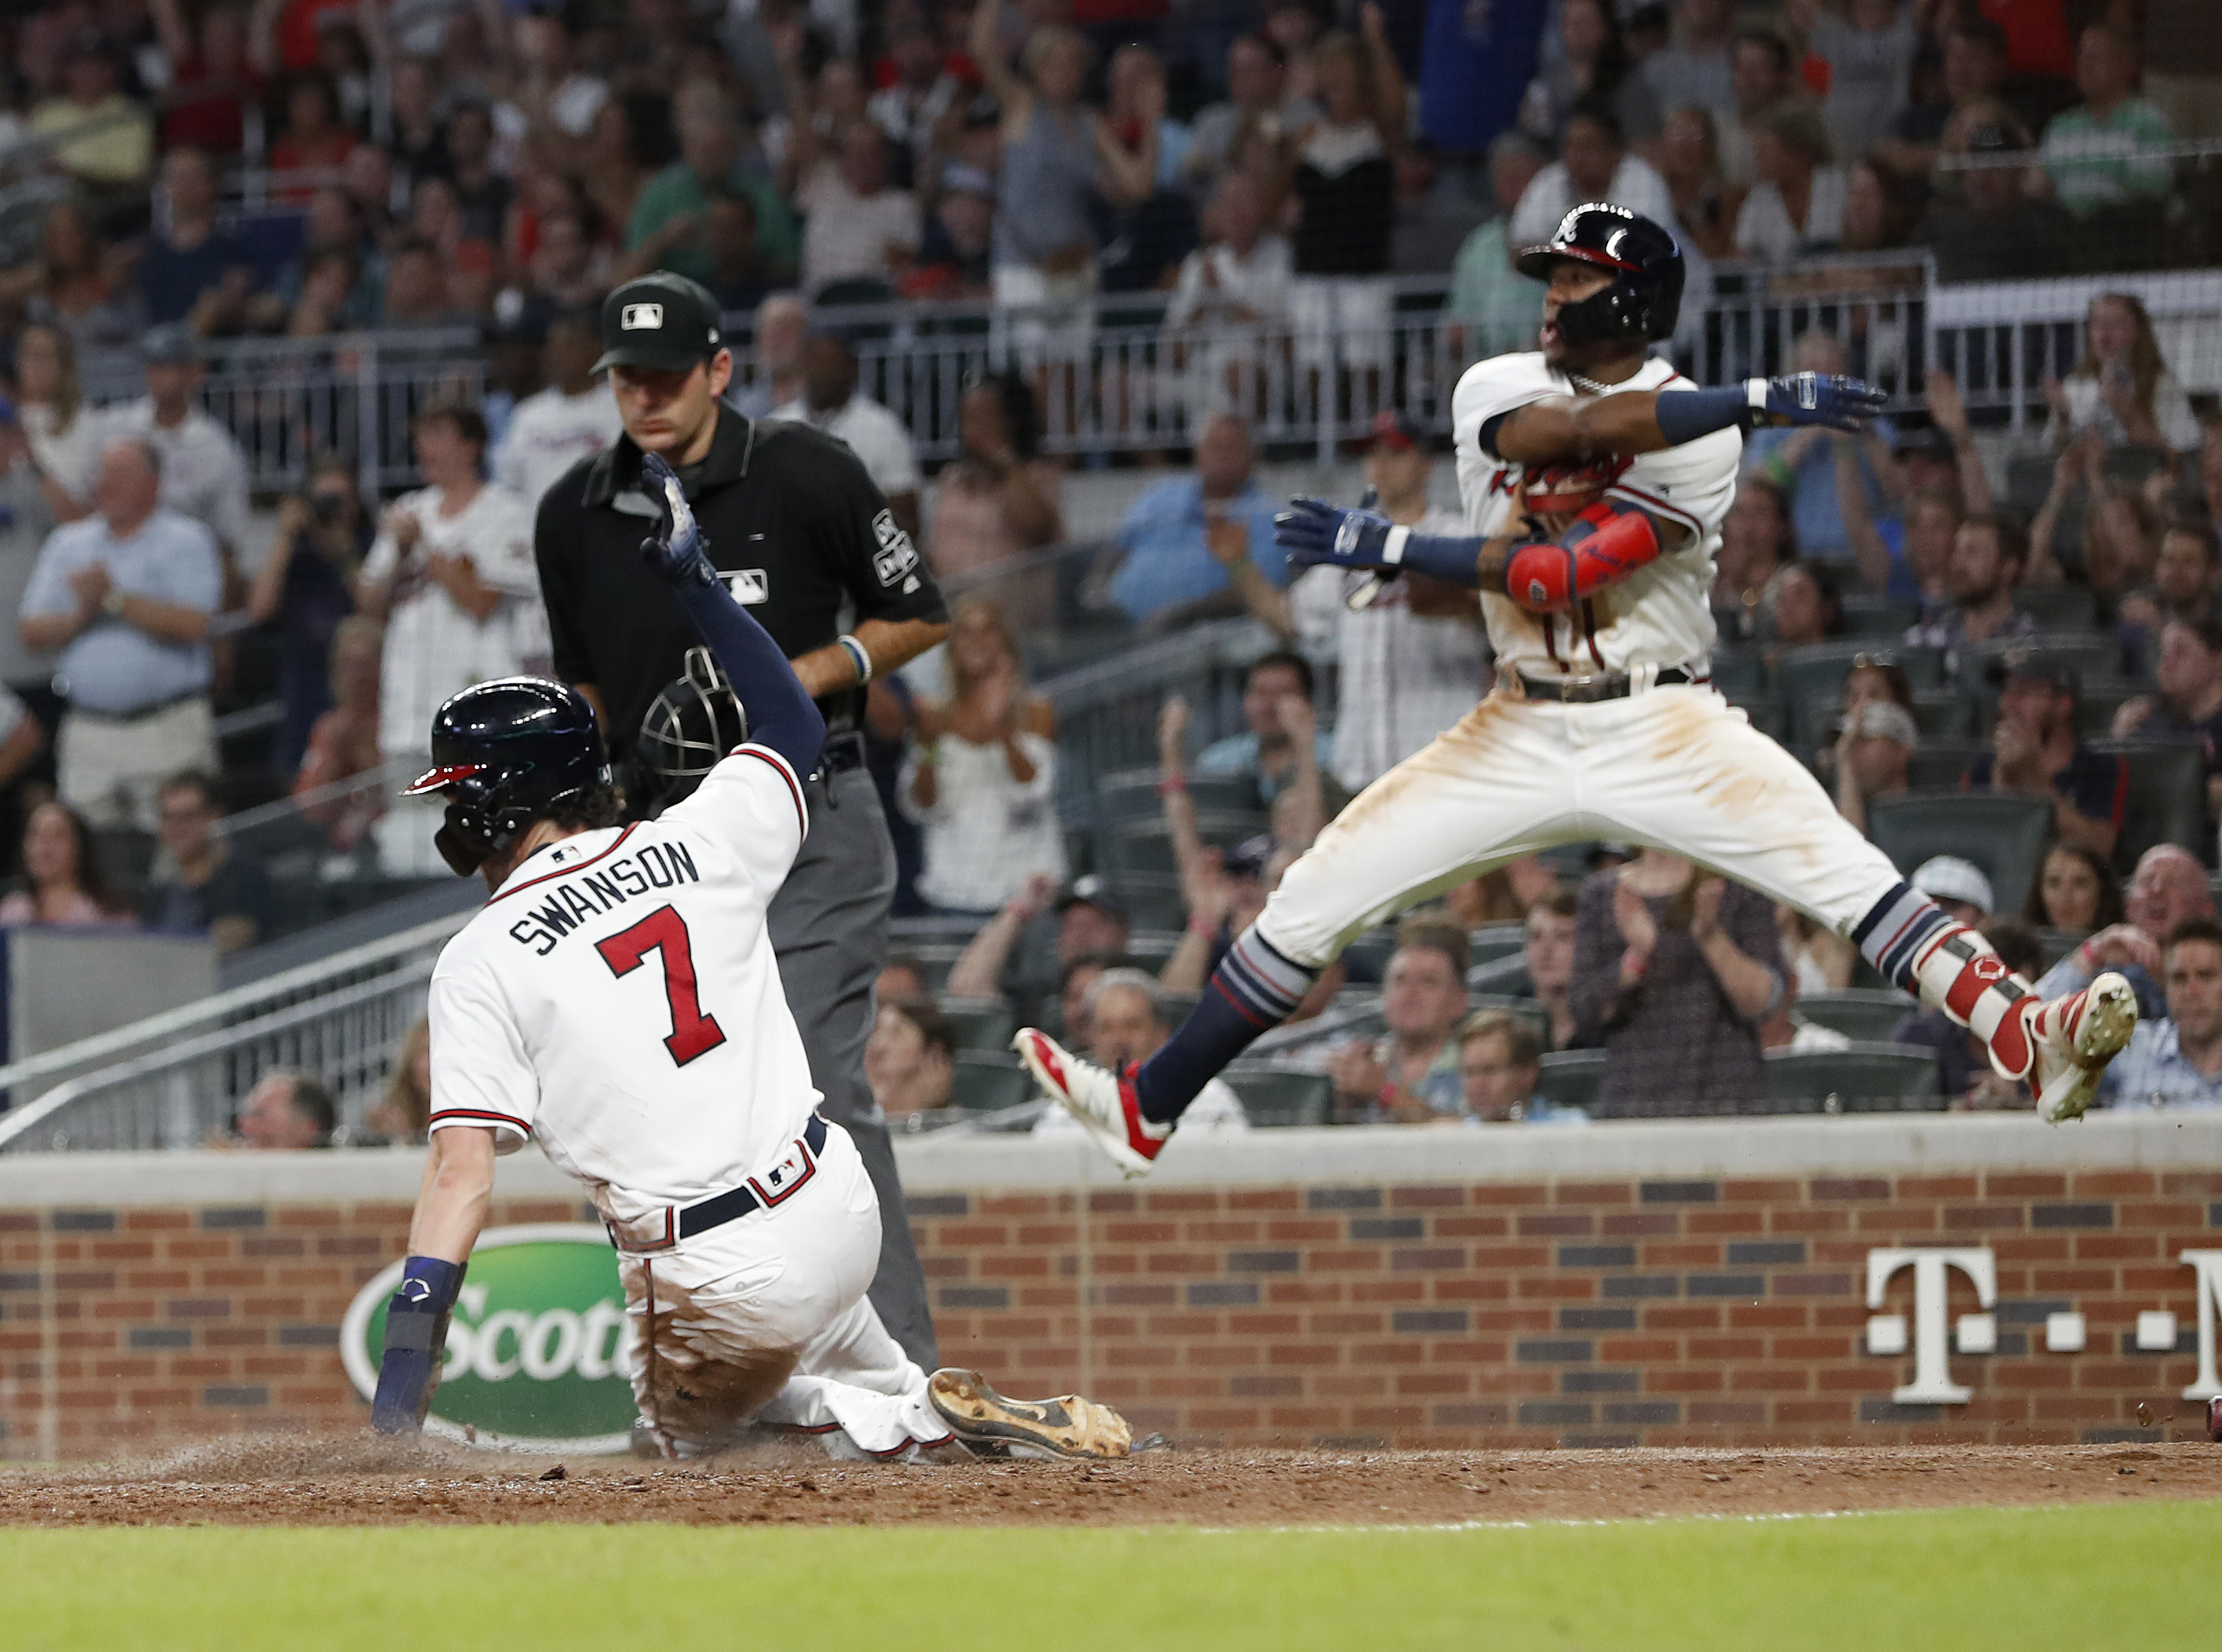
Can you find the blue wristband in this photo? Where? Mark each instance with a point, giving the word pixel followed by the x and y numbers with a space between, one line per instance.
pixel 1686 414
pixel 1453 559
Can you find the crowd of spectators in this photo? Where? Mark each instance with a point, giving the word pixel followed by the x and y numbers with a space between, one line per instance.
pixel 216 170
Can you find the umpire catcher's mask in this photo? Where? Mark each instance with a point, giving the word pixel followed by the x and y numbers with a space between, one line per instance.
pixel 691 726
pixel 504 752
pixel 1645 299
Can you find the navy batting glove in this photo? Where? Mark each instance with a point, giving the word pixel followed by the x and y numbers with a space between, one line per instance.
pixel 1312 531
pixel 416 1344
pixel 678 551
pixel 1828 398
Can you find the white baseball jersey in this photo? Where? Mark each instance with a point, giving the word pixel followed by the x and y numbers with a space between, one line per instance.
pixel 433 648
pixel 1660 616
pixel 617 1000
pixel 549 433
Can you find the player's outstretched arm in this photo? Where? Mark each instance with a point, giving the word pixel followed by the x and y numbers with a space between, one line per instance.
pixel 1557 429
pixel 451 1207
pixel 780 713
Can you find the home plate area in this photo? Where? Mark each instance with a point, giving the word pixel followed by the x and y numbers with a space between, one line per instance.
pixel 306 1481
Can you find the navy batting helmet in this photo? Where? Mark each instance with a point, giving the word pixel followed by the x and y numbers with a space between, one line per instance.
pixel 504 752
pixel 1645 299
pixel 693 725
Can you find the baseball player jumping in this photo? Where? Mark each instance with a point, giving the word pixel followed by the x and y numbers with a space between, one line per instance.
pixel 618 998
pixel 1594 479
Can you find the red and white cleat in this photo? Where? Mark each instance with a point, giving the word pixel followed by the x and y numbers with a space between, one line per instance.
pixel 2075 1037
pixel 1102 1100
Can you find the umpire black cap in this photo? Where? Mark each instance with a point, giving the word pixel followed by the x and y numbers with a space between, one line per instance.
pixel 663 321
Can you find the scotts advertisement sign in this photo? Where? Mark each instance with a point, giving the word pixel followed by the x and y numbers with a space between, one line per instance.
pixel 535 1358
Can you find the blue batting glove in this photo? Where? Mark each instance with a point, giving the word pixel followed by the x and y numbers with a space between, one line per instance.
pixel 416 1344
pixel 678 551
pixel 1311 532
pixel 1828 398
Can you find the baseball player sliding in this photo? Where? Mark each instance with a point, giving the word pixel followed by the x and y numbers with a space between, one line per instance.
pixel 618 999
pixel 1594 479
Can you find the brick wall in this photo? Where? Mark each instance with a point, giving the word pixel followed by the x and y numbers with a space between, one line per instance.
pixel 152 1325
pixel 1535 1309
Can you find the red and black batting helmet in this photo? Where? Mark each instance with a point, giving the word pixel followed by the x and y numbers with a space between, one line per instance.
pixel 503 752
pixel 1645 260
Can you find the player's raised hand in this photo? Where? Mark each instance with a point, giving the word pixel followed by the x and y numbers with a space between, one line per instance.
pixel 677 551
pixel 1312 531
pixel 1830 399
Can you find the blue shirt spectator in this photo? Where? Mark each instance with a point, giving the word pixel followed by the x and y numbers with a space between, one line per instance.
pixel 192 271
pixel 1806 470
pixel 1169 565
pixel 113 667
pixel 2177 1062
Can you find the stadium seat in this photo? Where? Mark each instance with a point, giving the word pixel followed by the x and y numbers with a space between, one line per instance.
pixel 2093 655
pixel 1864 1016
pixel 1941 714
pixel 1132 795
pixel 1497 940
pixel 2006 834
pixel 980 1023
pixel 1863 1071
pixel 2167 796
pixel 1819 668
pixel 1878 617
pixel 1937 764
pixel 1150 947
pixel 1367 958
pixel 1764 711
pixel 2066 607
pixel 1153 899
pixel 2059 943
pixel 1739 669
pixel 1146 845
pixel 1526 1009
pixel 1570 1078
pixel 936 960
pixel 1275 1096
pixel 987 1083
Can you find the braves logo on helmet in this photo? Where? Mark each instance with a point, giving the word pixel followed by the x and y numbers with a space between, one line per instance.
pixel 1644 298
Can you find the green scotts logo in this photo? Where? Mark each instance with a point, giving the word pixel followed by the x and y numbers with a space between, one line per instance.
pixel 535 1350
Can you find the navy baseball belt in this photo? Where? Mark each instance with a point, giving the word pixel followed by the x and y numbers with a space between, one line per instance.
pixel 761 1192
pixel 1617 685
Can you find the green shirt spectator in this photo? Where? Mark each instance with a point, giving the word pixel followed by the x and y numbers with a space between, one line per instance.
pixel 1498 309
pixel 669 228
pixel 2113 146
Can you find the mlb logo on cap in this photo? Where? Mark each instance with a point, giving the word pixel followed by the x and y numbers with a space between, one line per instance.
pixel 664 322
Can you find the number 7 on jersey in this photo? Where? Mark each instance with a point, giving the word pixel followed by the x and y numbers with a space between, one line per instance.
pixel 664 931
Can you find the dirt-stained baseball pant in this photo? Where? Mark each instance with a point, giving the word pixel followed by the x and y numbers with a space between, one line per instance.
pixel 765 1321
pixel 1677 768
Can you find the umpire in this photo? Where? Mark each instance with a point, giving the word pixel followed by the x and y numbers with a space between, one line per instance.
pixel 802 538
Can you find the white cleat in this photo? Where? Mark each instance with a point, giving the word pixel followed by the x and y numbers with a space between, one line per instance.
pixel 1102 1100
pixel 2075 1037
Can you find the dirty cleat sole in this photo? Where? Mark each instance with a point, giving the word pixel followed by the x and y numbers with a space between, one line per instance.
pixel 1067 1426
pixel 2095 1034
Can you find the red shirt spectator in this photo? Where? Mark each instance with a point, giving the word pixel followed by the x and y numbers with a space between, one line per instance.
pixel 215 58
pixel 299 29
pixel 2036 35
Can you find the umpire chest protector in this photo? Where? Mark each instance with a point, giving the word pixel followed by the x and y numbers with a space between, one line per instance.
pixel 796 530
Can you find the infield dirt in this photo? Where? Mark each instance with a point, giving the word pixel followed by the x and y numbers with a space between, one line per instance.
pixel 298 1481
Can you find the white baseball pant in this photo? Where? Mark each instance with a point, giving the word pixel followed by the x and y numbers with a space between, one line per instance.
pixel 1677 768
pixel 764 1320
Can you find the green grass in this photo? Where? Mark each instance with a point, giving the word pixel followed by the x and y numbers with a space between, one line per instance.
pixel 2091 1579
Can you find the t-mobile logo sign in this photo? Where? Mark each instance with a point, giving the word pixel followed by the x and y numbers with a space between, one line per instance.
pixel 1933 1341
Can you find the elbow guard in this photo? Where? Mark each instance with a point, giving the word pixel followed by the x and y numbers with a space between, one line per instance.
pixel 1606 544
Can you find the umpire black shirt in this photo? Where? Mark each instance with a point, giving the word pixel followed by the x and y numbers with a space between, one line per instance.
pixel 801 537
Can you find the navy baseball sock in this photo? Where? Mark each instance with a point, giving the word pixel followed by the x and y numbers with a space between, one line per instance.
pixel 1254 990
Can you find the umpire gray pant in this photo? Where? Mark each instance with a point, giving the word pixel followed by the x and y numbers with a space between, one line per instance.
pixel 829 926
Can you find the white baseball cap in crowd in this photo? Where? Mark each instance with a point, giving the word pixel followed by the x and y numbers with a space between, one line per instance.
pixel 1947 877
pixel 1886 719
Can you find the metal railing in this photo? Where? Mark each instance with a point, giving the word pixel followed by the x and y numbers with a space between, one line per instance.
pixel 172 1079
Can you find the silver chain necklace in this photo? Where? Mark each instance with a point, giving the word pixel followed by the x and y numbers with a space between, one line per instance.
pixel 1591 385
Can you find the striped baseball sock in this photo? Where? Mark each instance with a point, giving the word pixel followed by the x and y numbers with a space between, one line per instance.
pixel 1920 947
pixel 1254 990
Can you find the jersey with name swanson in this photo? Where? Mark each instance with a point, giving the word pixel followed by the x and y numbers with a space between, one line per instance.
pixel 1660 616
pixel 617 999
